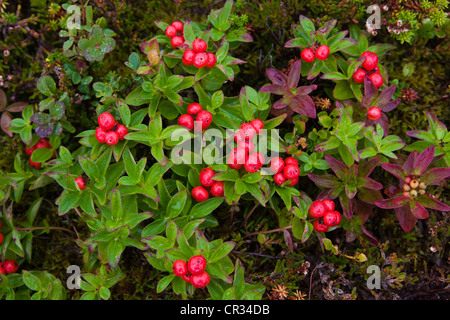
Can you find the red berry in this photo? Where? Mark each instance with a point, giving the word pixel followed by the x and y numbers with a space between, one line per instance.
pixel 178 25
pixel 293 182
pixel 276 165
pixel 247 131
pixel 42 143
pixel 257 124
pixel 373 113
pixel 217 189
pixel 376 70
pixel 247 145
pixel 106 121
pixel 100 134
pixel 317 209
pixel 10 266
pixel 200 60
pixel 176 41
pixel 2 270
pixel 237 158
pixel 377 79
pixel 200 281
pixel 122 131
pixel 200 194
pixel 358 76
pixel 187 277
pixel 187 121
pixel 253 162
pixel 111 138
pixel 322 52
pixel 291 171
pixel 188 57
pixel 332 218
pixel 199 45
pixel 81 183
pixel 205 177
pixel 194 108
pixel 1 238
pixel 320 227
pixel 279 178
pixel 307 55
pixel 180 268
pixel 171 31
pixel 29 150
pixel 328 204
pixel 36 165
pixel 371 60
pixel 211 60
pixel 291 160
pixel 205 118
pixel 196 264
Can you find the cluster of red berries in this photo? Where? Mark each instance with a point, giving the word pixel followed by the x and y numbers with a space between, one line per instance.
pixel 193 271
pixel 325 215
pixel 243 155
pixel 42 143
pixel 175 33
pixel 200 193
pixel 198 56
pixel 370 67
pixel 109 130
pixel 195 109
pixel 321 53
pixel 285 170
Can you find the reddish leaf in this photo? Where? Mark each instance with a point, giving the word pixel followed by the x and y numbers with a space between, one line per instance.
pixel 391 203
pixel 275 89
pixel 294 74
pixel 326 180
pixel 366 168
pixel 423 160
pixel 276 76
pixel 371 184
pixel 431 203
pixel 418 210
pixel 5 123
pixel 396 170
pixel 406 218
pixel 339 168
pixel 434 176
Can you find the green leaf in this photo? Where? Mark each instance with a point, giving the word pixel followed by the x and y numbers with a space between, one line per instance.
pixel 164 282
pixel 31 281
pixel 46 85
pixel 203 209
pixel 114 251
pixel 42 154
pixel 223 250
pixel 176 204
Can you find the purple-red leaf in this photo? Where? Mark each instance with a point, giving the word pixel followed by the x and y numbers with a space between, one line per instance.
pixel 339 168
pixel 276 76
pixel 423 160
pixel 326 180
pixel 275 89
pixel 431 203
pixel 434 176
pixel 396 170
pixel 406 218
pixel 391 203
pixel 371 184
pixel 418 210
pixel 347 205
pixel 366 168
pixel 303 105
pixel 294 74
